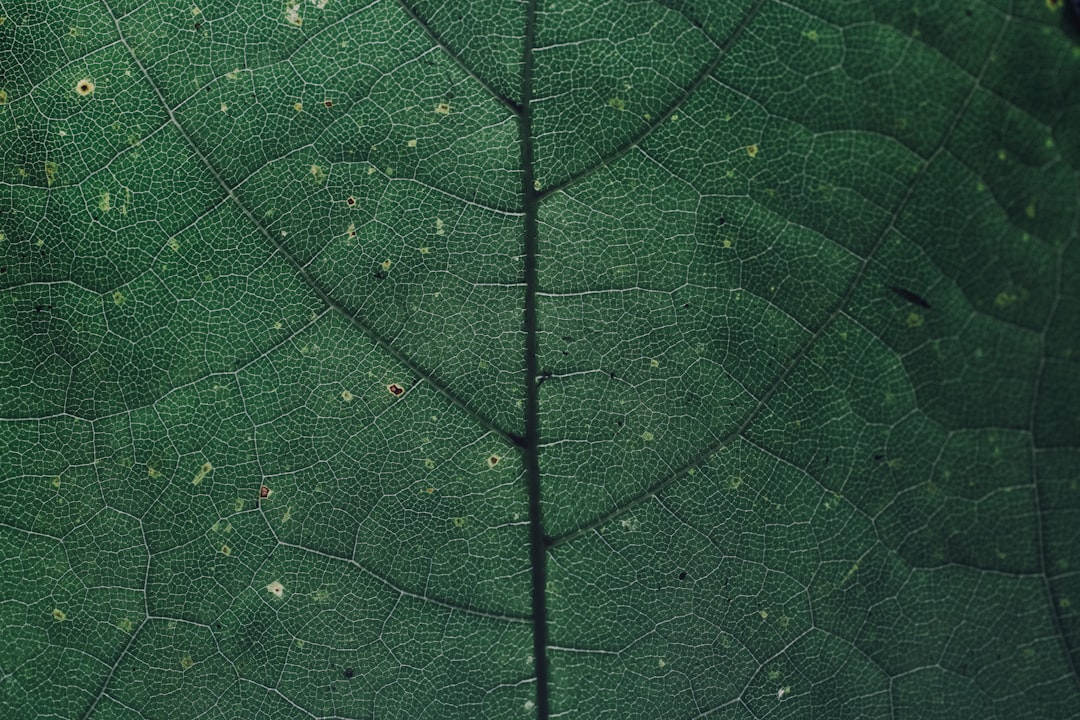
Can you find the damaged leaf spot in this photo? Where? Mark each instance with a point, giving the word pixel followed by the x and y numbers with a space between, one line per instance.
pixel 493 460
pixel 264 492
pixel 395 389
pixel 85 87
pixel 276 589
pixel 59 615
pixel 346 396
pixel 442 109
pixel 752 150
pixel 205 470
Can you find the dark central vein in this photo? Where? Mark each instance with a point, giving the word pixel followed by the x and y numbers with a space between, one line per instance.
pixel 531 441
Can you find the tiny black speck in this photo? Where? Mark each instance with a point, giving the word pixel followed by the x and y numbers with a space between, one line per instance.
pixel 349 673
pixel 682 575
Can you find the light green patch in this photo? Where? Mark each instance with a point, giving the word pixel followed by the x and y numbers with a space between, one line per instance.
pixel 119 298
pixel 203 471
pixel 186 662
pixel 617 103
pixel 59 615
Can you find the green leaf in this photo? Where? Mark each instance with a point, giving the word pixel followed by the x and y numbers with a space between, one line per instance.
pixel 658 358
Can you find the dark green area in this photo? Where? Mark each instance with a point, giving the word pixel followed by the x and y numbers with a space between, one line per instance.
pixel 662 358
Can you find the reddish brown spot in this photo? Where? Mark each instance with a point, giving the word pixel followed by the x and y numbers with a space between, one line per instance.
pixel 350 201
pixel 264 492
pixel 395 389
pixel 493 460
pixel 328 103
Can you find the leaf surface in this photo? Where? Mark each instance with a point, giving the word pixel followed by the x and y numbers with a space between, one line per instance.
pixel 662 358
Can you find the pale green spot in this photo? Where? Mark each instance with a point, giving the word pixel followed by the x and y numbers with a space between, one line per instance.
pixel 617 103
pixel 59 615
pixel 186 662
pixel 118 297
pixel 205 470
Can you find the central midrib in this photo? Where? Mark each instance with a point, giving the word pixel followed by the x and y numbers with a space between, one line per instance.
pixel 531 440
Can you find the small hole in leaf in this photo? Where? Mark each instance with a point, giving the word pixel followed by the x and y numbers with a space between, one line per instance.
pixel 328 103
pixel 350 201
pixel 493 460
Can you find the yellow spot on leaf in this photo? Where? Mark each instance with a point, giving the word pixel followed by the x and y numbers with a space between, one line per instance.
pixel 617 103
pixel 914 320
pixel 493 460
pixel 1004 299
pixel 411 143
pixel 654 363
pixel 810 35
pixel 124 625
pixel 186 662
pixel 50 172
pixel 346 396
pixel 298 106
pixel 440 227
pixel 752 150
pixel 647 436
pixel 442 108
pixel 764 614
pixel 224 107
pixel 119 297
pixel 174 244
pixel 292 14
pixel 459 522
pixel 226 550
pixel 105 203
pixel 429 463
pixel 205 470
pixel 425 251
pixel 385 264
pixel 276 589
pixel 59 615
pixel 84 87
pixel 3 97
pixel 536 185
